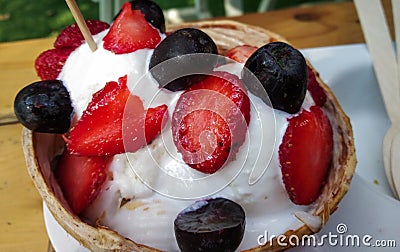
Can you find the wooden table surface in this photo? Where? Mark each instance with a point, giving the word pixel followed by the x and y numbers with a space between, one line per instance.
pixel 21 218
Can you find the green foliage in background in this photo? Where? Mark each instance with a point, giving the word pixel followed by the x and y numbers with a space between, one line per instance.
pixel 23 19
pixel 165 4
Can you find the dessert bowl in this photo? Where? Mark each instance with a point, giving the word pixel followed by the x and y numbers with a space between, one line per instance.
pixel 41 150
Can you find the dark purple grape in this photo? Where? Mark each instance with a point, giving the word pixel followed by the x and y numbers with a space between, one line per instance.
pixel 282 72
pixel 44 106
pixel 180 46
pixel 152 13
pixel 210 225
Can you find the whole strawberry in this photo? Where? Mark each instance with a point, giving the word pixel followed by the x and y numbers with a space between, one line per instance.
pixel 49 63
pixel 72 36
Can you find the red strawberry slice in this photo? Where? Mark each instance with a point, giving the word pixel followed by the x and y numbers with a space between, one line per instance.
pixel 317 92
pixel 205 144
pixel 155 121
pixel 130 32
pixel 305 155
pixel 80 179
pixel 114 122
pixel 72 37
pixel 49 63
pixel 210 121
pixel 241 53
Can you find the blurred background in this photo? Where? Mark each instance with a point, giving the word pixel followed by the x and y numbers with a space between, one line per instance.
pixel 21 19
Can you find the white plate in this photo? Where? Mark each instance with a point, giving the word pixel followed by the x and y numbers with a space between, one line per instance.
pixel 348 71
pixel 368 211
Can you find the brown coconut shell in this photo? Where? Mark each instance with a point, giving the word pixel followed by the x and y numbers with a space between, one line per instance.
pixel 40 150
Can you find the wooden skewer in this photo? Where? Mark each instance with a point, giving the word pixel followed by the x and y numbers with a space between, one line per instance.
pixel 380 47
pixel 377 36
pixel 76 13
pixel 396 18
pixel 394 157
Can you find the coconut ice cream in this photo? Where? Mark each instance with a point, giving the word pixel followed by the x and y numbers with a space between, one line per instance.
pixel 141 192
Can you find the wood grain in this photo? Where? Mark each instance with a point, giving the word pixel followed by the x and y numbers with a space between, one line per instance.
pixel 17 69
pixel 21 218
pixel 315 25
pixel 21 225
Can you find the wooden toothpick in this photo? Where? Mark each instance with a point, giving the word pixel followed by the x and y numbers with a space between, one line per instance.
pixel 76 13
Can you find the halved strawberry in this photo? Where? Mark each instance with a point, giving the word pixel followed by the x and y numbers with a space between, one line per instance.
pixel 317 92
pixel 241 53
pixel 305 155
pixel 49 63
pixel 204 140
pixel 210 121
pixel 80 179
pixel 114 122
pixel 71 36
pixel 130 32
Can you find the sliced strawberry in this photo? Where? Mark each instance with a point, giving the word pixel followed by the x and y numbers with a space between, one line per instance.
pixel 114 122
pixel 72 37
pixel 210 121
pixel 155 121
pixel 80 179
pixel 130 32
pixel 205 140
pixel 241 53
pixel 305 155
pixel 317 92
pixel 49 63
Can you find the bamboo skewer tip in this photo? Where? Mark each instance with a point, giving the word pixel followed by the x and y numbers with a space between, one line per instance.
pixel 76 13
